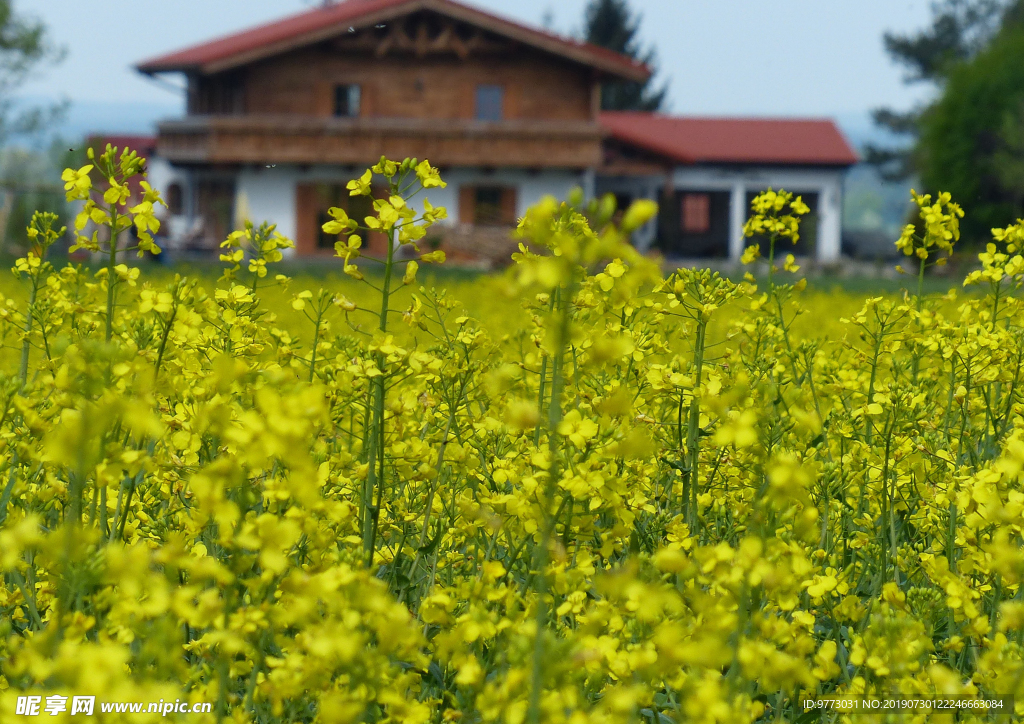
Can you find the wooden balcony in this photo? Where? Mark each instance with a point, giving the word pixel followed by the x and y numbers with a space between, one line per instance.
pixel 265 139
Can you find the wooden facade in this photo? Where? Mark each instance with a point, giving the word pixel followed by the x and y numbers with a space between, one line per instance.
pixel 399 82
pixel 417 77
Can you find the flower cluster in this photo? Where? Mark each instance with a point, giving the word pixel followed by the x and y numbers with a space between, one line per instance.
pixel 262 245
pixel 940 229
pixel 115 207
pixel 393 216
pixel 776 215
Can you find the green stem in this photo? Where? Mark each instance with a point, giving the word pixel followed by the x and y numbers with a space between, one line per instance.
pixel 111 263
pixel 375 469
pixel 429 508
pixel 127 507
pixel 117 509
pixel 871 384
pixel 5 498
pixel 951 535
pixel 543 379
pixel 554 473
pixel 920 284
pixel 995 305
pixel 28 593
pixel 540 397
pixel 25 344
pixel 316 341
pixel 222 690
pixel 163 344
pixel 920 300
pixel 693 424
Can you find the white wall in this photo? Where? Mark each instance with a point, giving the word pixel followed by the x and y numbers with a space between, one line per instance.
pixel 531 187
pixel 269 194
pixel 161 174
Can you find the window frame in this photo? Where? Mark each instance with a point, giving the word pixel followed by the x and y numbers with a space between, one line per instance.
pixel 175 196
pixel 503 205
pixel 489 109
pixel 691 203
pixel 353 100
pixel 494 212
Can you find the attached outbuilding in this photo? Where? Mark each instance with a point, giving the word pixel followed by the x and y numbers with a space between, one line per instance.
pixel 705 171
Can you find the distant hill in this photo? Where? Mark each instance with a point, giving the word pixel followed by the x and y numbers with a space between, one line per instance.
pixel 86 117
pixel 874 211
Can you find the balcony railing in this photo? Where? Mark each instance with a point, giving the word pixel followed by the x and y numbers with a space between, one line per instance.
pixel 256 139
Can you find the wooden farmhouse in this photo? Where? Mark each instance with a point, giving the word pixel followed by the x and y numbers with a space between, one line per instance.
pixel 279 118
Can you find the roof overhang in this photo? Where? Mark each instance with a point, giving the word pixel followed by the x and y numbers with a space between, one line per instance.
pixel 735 141
pixel 322 24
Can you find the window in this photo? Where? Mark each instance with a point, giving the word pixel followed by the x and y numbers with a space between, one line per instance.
pixel 489 205
pixel 622 202
pixel 489 102
pixel 487 209
pixel 696 213
pixel 312 200
pixel 223 93
pixel 215 199
pixel 346 101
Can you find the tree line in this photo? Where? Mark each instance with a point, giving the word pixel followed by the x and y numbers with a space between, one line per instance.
pixel 968 139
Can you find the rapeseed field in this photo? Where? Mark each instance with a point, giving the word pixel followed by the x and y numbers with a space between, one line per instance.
pixel 583 492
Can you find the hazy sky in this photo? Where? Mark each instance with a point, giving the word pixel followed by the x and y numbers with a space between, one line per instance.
pixel 777 57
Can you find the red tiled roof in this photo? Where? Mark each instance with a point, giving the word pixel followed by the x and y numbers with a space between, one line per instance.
pixel 733 140
pixel 331 20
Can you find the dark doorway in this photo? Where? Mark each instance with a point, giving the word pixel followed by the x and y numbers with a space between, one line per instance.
pixel 694 224
pixel 337 195
pixel 216 202
pixel 311 205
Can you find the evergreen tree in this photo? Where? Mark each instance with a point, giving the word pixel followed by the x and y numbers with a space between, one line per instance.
pixel 611 24
pixel 960 29
pixel 972 138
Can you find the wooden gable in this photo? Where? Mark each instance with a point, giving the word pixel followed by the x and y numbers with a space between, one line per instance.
pixel 422 65
pixel 332 20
